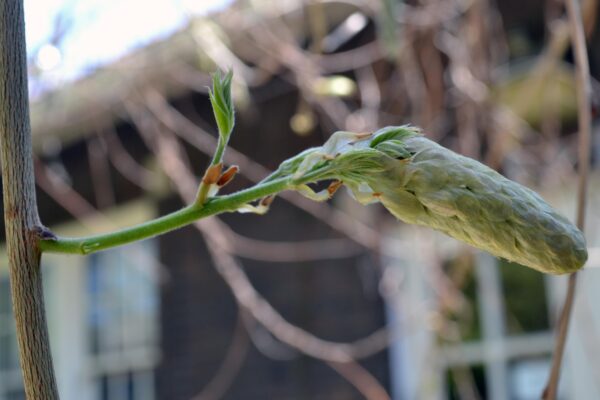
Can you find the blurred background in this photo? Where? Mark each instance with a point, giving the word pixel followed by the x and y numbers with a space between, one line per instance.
pixel 314 300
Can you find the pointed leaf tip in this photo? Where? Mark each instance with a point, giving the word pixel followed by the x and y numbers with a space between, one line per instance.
pixel 221 101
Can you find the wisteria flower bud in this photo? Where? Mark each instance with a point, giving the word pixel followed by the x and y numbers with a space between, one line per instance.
pixel 423 183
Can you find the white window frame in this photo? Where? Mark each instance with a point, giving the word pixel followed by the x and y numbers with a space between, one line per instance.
pixel 418 364
pixel 137 359
pixel 66 305
pixel 10 377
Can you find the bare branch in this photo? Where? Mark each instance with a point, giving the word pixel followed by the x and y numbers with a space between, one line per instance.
pixel 124 162
pixel 197 137
pixel 585 134
pixel 246 296
pixel 100 173
pixel 361 379
pixel 230 366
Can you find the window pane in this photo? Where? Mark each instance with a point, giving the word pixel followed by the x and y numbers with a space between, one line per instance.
pixel 103 387
pixel 144 385
pixel 123 321
pixel 9 352
pixel 118 387
pixel 525 299
pixel 126 386
pixel 5 306
pixel 123 299
pixel 461 273
pixel 467 382
pixel 15 395
pixel 5 344
pixel 528 377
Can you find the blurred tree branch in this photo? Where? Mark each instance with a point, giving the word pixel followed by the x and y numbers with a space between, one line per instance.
pixel 584 108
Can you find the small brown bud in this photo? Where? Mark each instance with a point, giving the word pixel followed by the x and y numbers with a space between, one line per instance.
pixel 333 187
pixel 266 201
pixel 228 175
pixel 212 174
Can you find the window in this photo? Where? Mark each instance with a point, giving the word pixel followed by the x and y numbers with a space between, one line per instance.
pixel 526 310
pixel 102 313
pixel 528 377
pixel 11 382
pixel 461 272
pixel 123 321
pixel 512 343
pixel 466 382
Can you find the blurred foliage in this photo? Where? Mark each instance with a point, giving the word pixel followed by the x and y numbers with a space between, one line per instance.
pixel 535 93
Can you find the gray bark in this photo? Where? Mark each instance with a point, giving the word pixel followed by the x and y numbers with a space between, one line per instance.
pixel 23 228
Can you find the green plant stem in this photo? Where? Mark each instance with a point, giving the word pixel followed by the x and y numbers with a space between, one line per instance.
pixel 220 150
pixel 177 219
pixel 202 195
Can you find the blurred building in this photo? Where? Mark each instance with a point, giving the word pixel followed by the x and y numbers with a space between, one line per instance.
pixel 154 320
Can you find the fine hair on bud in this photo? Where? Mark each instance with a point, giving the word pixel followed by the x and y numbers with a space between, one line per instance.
pixel 423 183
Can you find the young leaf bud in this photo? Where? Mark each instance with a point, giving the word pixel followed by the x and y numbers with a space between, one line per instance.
pixel 220 98
pixel 423 183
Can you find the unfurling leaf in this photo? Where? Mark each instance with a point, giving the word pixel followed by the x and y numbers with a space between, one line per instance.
pixel 423 183
pixel 220 98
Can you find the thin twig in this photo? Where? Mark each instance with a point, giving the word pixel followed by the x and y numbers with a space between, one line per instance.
pixel 342 222
pixel 230 366
pixel 585 133
pixel 240 245
pixel 68 198
pixel 85 213
pixel 243 290
pixel 263 311
pixel 100 174
pixel 124 162
pixel 361 379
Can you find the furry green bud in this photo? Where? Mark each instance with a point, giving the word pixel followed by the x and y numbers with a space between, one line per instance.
pixel 423 183
pixel 220 98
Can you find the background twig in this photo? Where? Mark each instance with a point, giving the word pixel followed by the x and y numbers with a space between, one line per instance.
pixel 585 132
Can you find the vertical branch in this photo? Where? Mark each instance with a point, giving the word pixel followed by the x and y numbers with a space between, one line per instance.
pixel 585 133
pixel 20 209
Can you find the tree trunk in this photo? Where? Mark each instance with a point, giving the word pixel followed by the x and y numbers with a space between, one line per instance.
pixel 23 228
